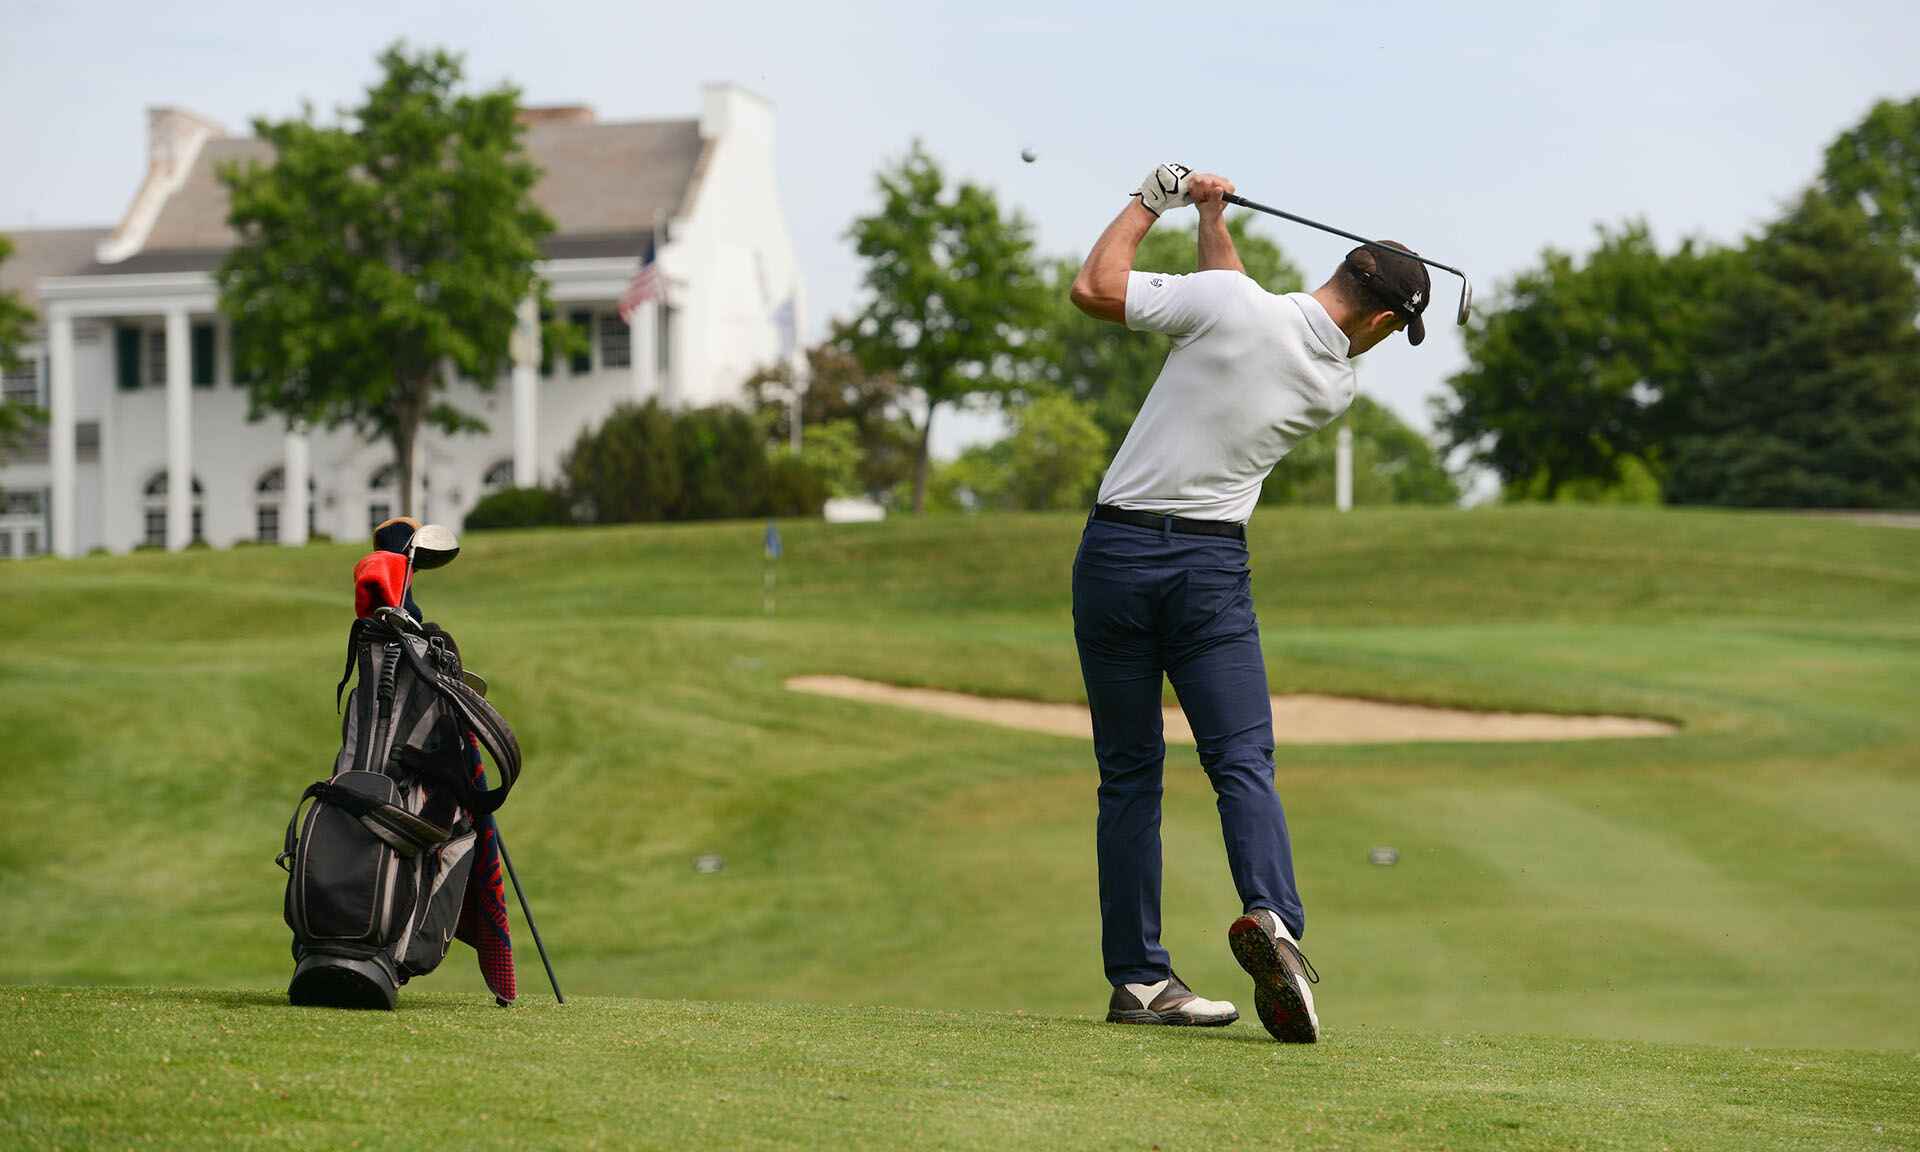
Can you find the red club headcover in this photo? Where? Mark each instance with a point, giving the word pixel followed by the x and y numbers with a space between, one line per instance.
pixel 379 580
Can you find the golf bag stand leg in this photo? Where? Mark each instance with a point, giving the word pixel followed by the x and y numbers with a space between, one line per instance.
pixel 525 910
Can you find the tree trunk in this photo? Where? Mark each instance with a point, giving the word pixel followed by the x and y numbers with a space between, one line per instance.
pixel 920 464
pixel 406 429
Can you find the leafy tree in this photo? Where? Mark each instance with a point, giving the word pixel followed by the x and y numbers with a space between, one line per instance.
pixel 1056 454
pixel 1876 164
pixel 1564 367
pixel 953 299
pixel 16 321
pixel 839 390
pixel 1112 368
pixel 832 452
pixel 977 479
pixel 1806 385
pixel 374 253
pixel 1392 464
pixel 1053 459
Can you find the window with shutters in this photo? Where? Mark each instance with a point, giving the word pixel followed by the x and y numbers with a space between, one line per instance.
pixel 21 383
pixel 616 341
pixel 157 356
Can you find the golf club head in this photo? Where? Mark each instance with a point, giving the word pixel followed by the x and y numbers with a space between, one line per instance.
pixel 434 546
pixel 1466 300
pixel 474 681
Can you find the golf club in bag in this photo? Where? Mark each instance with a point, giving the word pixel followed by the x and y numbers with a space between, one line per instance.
pixel 1466 285
pixel 378 870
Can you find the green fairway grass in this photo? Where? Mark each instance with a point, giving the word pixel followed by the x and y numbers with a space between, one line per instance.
pixel 1753 880
pixel 220 1070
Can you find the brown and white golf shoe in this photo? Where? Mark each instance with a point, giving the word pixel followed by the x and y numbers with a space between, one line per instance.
pixel 1281 975
pixel 1167 1001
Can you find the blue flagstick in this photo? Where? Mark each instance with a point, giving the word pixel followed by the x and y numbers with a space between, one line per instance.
pixel 772 548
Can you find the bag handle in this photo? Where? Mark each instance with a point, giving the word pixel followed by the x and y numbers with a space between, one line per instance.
pixel 396 827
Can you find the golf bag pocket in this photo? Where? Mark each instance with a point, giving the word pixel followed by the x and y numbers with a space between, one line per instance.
pixel 438 912
pixel 353 867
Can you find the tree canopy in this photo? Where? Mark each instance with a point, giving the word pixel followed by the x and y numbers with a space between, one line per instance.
pixel 374 253
pixel 1804 389
pixel 952 297
pixel 1876 164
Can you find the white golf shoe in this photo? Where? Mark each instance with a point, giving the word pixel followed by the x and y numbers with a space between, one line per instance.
pixel 1281 975
pixel 1167 1001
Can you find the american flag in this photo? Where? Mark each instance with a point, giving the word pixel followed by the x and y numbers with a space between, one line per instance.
pixel 647 285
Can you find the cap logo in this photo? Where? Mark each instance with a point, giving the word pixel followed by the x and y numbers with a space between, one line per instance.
pixel 1414 300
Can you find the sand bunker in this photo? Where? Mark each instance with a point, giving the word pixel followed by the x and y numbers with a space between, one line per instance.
pixel 1297 719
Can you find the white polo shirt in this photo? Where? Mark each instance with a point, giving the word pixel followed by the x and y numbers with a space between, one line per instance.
pixel 1250 375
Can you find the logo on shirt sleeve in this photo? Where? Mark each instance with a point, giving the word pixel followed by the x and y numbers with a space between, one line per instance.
pixel 1156 282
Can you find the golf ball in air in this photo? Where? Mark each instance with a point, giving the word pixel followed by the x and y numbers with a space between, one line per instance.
pixel 1029 155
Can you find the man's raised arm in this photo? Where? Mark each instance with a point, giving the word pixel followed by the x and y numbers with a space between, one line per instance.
pixel 1100 289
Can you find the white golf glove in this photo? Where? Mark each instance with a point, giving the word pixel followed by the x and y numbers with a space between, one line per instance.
pixel 1165 187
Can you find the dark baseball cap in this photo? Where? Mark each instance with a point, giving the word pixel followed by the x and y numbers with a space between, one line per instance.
pixel 1397 282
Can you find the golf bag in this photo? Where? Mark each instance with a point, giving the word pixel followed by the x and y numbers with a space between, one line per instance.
pixel 377 870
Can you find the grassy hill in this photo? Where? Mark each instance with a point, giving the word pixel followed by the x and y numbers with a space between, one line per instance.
pixel 1752 881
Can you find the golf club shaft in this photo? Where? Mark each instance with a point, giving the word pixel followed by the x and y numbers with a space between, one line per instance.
pixel 1243 202
pixel 501 842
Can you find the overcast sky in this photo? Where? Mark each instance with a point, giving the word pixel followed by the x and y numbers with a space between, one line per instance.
pixel 1477 136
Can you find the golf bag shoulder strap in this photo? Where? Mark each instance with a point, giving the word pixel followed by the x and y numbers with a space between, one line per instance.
pixel 486 723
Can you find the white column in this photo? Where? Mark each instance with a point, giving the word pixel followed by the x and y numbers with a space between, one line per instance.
pixel 179 434
pixel 673 383
pixel 525 351
pixel 293 499
pixel 646 351
pixel 1343 468
pixel 60 430
pixel 115 504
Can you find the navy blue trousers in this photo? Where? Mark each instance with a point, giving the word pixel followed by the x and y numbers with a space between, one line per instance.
pixel 1150 603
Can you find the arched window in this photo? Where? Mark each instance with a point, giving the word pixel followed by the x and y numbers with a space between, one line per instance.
pixel 267 496
pixel 380 495
pixel 154 501
pixel 497 477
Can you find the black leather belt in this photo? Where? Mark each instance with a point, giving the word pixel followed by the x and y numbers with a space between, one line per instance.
pixel 1161 523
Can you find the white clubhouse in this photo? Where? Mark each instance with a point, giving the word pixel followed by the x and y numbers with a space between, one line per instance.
pixel 148 441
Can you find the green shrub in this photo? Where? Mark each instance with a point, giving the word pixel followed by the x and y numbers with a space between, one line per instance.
pixel 519 508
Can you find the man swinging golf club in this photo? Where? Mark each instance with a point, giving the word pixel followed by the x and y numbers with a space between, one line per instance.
pixel 1161 585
